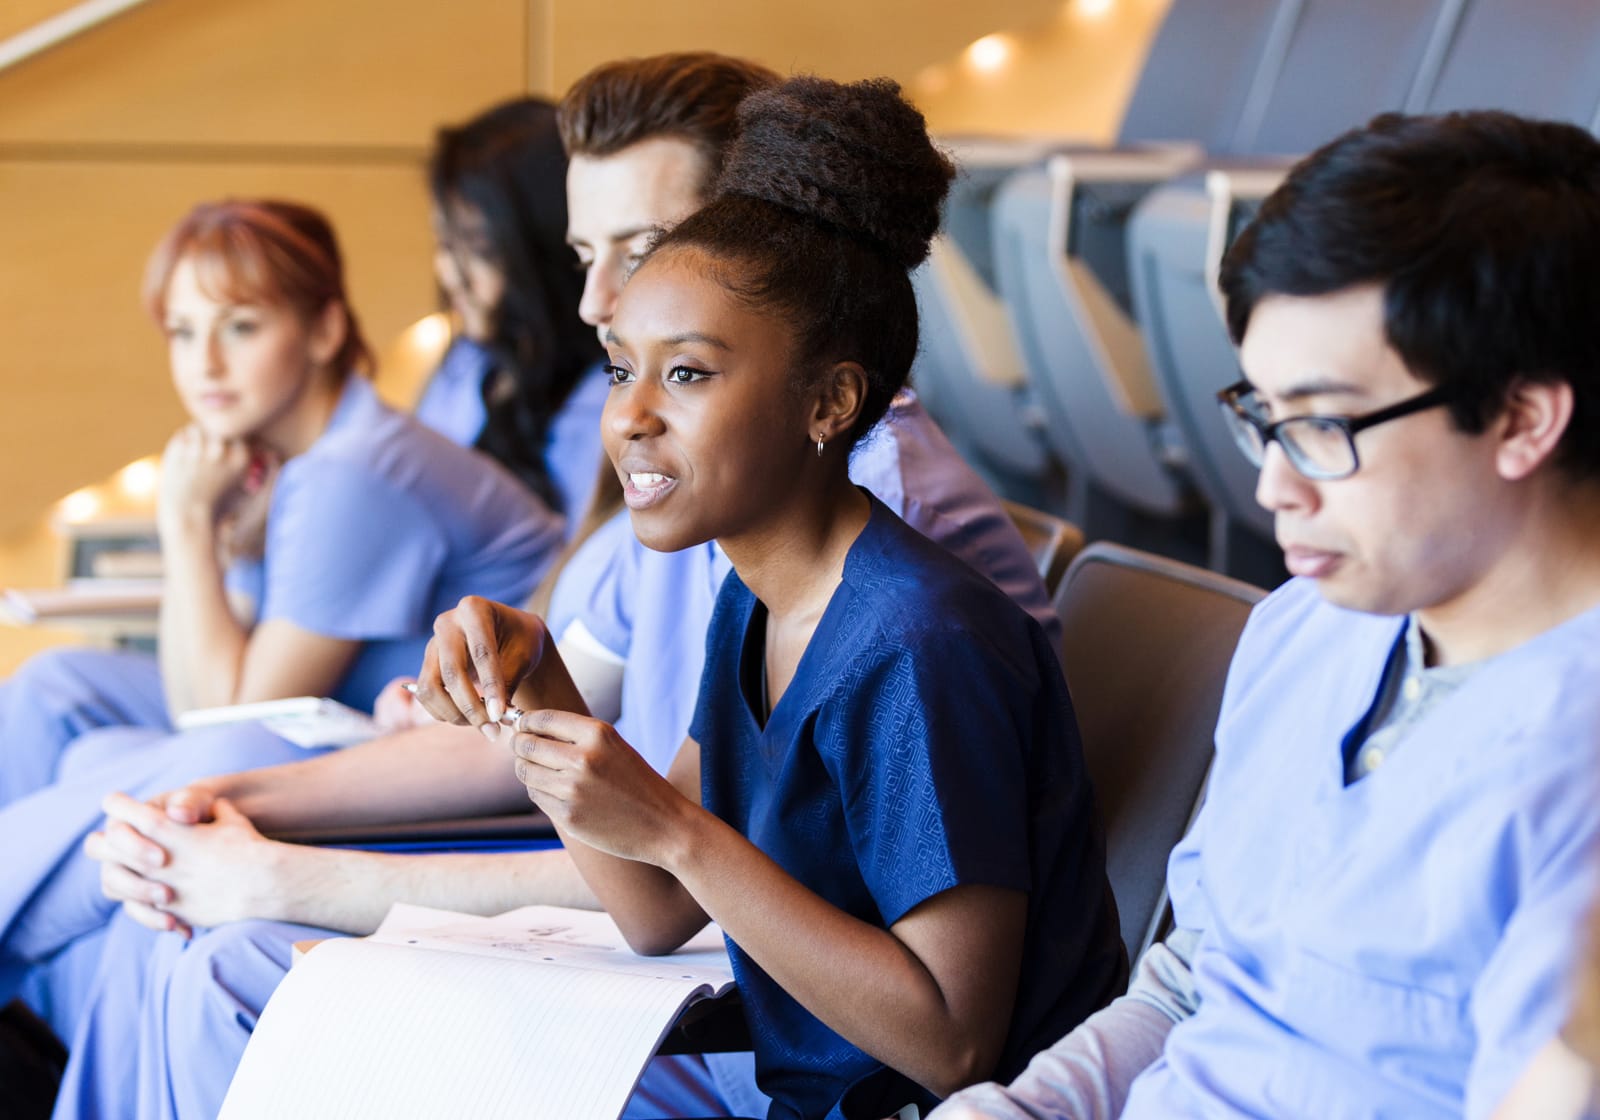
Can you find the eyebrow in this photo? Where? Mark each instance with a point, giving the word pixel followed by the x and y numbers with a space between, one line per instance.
pixel 676 340
pixel 619 235
pixel 1317 386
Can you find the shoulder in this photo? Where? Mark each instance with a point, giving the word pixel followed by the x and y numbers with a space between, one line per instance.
pixel 910 599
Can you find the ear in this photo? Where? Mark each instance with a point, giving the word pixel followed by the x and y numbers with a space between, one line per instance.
pixel 328 330
pixel 840 394
pixel 1530 425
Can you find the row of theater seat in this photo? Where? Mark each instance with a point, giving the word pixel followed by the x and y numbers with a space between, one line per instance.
pixel 1070 312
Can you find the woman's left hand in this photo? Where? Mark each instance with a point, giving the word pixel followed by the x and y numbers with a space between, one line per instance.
pixel 596 787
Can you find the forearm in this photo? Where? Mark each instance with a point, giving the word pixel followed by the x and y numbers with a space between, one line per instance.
pixel 351 891
pixel 859 979
pixel 424 773
pixel 1089 1073
pixel 202 643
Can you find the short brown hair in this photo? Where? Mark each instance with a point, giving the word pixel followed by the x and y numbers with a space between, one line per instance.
pixel 692 96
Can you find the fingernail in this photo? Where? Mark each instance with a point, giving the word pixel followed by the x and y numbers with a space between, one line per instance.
pixel 491 731
pixel 496 709
pixel 150 859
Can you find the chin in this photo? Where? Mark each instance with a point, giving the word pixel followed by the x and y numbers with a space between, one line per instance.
pixel 660 535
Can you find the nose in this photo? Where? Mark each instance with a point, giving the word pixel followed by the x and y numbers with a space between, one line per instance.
pixel 631 412
pixel 213 354
pixel 1279 487
pixel 602 281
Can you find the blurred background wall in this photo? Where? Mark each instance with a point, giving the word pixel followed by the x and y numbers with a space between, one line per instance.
pixel 109 136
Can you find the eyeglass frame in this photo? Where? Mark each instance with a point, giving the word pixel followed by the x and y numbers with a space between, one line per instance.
pixel 1228 401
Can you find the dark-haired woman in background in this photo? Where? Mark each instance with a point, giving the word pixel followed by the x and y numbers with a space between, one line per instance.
pixel 520 381
pixel 882 800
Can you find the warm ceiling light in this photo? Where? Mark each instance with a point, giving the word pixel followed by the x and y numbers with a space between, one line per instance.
pixel 989 53
pixel 430 332
pixel 138 479
pixel 80 505
pixel 1093 9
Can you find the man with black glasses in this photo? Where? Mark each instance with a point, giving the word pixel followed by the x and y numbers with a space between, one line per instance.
pixel 1379 903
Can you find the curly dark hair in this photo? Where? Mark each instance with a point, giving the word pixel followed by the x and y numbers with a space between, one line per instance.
pixel 1483 229
pixel 827 199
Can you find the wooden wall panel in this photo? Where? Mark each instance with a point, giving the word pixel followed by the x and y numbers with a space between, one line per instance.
pixel 83 371
pixel 285 72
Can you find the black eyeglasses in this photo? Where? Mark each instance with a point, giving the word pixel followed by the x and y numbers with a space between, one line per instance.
pixel 1320 447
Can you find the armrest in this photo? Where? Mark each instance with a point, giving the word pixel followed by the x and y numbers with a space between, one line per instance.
pixel 1105 186
pixel 509 828
pixel 1234 193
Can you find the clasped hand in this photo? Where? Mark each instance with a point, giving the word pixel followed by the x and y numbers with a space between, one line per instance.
pixel 182 860
pixel 576 769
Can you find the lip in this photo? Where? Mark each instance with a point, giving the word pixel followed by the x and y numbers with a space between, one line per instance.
pixel 644 496
pixel 1313 563
pixel 218 400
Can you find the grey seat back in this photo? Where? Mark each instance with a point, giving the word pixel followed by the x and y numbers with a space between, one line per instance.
pixel 1087 428
pixel 1146 647
pixel 1199 71
pixel 967 371
pixel 1337 63
pixel 1539 59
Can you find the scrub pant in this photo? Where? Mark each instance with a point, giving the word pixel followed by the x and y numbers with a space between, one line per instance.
pixel 60 694
pixel 51 907
pixel 168 1021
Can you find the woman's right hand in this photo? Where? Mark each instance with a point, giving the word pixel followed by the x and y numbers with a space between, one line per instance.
pixel 199 473
pixel 480 653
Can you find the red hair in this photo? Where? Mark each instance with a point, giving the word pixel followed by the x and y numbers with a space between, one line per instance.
pixel 260 251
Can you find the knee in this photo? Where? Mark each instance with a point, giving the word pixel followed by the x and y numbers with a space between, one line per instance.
pixel 224 976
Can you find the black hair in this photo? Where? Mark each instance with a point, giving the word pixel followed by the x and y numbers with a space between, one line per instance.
pixel 508 164
pixel 1483 229
pixel 827 199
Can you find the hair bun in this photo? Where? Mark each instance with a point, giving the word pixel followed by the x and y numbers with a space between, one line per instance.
pixel 854 156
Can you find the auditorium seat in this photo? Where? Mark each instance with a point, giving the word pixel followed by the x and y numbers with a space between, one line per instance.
pixel 1061 266
pixel 1146 646
pixel 968 372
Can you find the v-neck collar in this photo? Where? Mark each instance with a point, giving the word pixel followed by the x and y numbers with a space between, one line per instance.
pixel 753 653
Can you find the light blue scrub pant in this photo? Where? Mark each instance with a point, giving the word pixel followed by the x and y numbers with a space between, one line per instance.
pixel 168 1021
pixel 60 694
pixel 51 908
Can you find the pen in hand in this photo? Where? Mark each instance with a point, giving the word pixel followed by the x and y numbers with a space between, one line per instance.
pixel 508 719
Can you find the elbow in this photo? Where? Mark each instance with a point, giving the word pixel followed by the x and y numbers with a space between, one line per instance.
pixel 649 941
pixel 969 1062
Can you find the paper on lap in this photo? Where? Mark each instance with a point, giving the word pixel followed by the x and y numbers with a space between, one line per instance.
pixel 540 1012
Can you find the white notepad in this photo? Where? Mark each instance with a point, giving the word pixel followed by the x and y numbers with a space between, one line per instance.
pixel 542 1012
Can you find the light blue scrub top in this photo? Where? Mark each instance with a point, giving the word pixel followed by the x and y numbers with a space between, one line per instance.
pixel 1397 947
pixel 452 405
pixel 381 525
pixel 651 609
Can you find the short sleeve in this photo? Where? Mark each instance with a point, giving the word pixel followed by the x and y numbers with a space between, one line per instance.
pixel 927 747
pixel 1524 991
pixel 350 555
pixel 596 586
pixel 244 580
